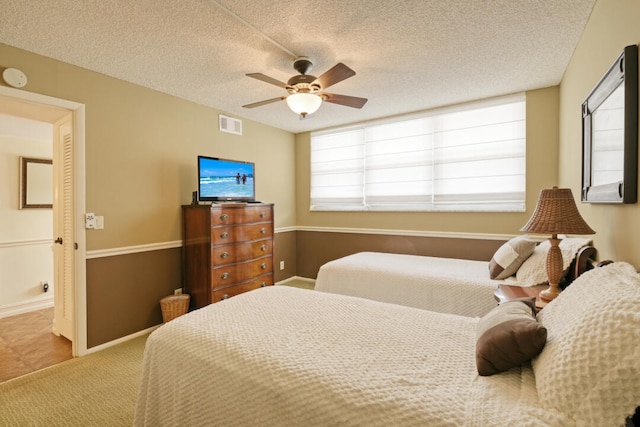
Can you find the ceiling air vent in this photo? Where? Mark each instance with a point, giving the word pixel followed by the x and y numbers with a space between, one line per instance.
pixel 230 125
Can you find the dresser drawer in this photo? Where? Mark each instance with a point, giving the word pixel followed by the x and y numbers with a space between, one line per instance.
pixel 232 253
pixel 240 233
pixel 227 249
pixel 230 291
pixel 229 274
pixel 233 215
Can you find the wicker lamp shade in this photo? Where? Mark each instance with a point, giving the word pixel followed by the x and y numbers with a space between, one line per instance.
pixel 555 213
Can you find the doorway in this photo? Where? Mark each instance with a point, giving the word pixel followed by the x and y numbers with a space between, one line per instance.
pixel 69 204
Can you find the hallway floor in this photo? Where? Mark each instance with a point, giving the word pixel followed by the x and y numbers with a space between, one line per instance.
pixel 27 344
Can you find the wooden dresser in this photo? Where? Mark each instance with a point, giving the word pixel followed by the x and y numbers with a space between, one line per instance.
pixel 227 249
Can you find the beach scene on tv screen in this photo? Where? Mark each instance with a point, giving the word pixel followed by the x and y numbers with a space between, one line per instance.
pixel 226 179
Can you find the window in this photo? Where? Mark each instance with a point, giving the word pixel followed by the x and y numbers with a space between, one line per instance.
pixel 469 158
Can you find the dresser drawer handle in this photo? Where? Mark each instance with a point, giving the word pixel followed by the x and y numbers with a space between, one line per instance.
pixel 224 217
pixel 225 276
pixel 224 255
pixel 263 248
pixel 263 284
pixel 224 235
pixel 263 230
pixel 225 296
pixel 263 266
pixel 263 214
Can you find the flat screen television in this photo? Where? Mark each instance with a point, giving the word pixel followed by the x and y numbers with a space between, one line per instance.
pixel 224 180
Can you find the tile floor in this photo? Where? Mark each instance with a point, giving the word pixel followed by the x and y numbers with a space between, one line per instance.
pixel 27 344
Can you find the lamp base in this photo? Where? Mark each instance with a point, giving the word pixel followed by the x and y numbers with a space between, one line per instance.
pixel 540 304
pixel 546 296
pixel 554 273
pixel 550 293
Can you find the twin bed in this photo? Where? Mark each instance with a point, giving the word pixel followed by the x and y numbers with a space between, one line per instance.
pixel 445 285
pixel 281 356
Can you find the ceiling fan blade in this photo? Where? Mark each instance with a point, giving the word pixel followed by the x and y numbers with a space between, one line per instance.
pixel 265 102
pixel 267 79
pixel 349 101
pixel 338 73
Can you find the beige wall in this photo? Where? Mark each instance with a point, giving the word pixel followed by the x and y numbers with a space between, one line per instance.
pixel 542 172
pixel 613 25
pixel 141 148
pixel 26 259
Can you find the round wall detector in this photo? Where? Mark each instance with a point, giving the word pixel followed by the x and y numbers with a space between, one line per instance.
pixel 14 77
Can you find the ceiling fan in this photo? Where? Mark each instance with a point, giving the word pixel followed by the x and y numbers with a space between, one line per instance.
pixel 305 91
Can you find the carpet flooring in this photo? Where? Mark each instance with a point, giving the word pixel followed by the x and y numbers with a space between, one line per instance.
pixel 299 282
pixel 95 390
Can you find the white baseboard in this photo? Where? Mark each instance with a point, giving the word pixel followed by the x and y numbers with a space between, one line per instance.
pixel 121 340
pixel 292 278
pixel 25 307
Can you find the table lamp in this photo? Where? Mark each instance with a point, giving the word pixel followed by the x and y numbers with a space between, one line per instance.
pixel 556 213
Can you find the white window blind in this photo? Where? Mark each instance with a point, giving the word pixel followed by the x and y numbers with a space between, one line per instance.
pixel 467 159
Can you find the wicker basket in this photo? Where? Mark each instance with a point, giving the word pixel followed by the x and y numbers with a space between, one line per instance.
pixel 174 306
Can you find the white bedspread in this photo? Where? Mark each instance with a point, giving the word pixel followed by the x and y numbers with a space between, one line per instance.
pixel 281 356
pixel 445 285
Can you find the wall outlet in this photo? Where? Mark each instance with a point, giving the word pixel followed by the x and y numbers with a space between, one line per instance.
pixel 89 220
pixel 281 265
pixel 177 291
pixel 99 222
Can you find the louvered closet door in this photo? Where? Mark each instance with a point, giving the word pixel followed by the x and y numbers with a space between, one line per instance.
pixel 64 220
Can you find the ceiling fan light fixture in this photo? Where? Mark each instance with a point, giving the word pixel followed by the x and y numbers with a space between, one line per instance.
pixel 306 91
pixel 304 103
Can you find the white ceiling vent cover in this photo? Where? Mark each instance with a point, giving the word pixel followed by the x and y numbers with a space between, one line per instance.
pixel 230 125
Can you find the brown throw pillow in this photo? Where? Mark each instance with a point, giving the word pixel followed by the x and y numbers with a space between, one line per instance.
pixel 510 256
pixel 507 336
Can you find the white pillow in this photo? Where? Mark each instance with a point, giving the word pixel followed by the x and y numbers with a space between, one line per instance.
pixel 533 271
pixel 590 365
pixel 510 256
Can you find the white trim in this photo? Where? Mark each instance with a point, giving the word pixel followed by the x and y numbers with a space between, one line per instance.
pixel 101 253
pixel 292 278
pixel 80 343
pixel 38 98
pixel 34 242
pixel 26 307
pixel 127 250
pixel 122 339
pixel 416 233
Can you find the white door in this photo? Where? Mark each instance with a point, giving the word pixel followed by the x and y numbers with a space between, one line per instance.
pixel 69 256
pixel 63 229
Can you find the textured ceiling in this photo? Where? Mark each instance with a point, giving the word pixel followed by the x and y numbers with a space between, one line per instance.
pixel 409 55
